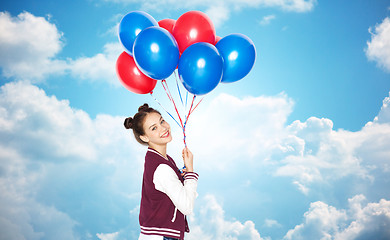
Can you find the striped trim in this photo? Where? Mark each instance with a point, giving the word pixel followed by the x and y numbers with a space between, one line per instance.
pixel 191 175
pixel 160 231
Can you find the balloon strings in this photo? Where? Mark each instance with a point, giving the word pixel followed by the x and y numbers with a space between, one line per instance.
pixel 178 89
pixel 181 98
pixel 196 106
pixel 186 99
pixel 190 111
pixel 185 123
pixel 165 86
pixel 151 94
pixel 168 92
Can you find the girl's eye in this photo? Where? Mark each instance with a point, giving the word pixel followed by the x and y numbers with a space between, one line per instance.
pixel 154 128
pixel 162 121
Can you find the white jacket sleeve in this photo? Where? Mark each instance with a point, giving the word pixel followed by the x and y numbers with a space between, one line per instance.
pixel 182 196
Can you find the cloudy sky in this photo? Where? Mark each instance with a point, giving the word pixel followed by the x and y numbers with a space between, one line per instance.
pixel 298 149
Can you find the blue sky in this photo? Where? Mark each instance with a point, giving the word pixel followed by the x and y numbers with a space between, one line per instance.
pixel 298 149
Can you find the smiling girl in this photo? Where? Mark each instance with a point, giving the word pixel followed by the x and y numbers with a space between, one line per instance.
pixel 167 195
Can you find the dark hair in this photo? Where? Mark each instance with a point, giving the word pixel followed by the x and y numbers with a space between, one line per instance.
pixel 137 122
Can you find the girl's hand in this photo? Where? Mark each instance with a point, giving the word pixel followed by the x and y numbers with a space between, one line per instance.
pixel 188 159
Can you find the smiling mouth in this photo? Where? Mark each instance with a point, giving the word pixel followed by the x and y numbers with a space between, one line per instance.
pixel 165 135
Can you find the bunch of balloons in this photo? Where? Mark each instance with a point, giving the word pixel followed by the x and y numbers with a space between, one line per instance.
pixel 153 51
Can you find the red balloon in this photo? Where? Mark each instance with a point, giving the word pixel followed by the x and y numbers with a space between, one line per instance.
pixel 131 77
pixel 167 24
pixel 193 27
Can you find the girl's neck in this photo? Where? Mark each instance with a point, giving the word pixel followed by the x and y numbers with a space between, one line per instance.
pixel 162 149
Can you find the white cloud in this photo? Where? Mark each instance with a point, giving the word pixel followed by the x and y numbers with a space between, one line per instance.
pixel 271 223
pixel 32 119
pixel 358 222
pixel 28 46
pixel 321 222
pixel 267 19
pixel 100 67
pixel 218 14
pixel 220 10
pixel 384 114
pixel 328 155
pixel 211 223
pixel 369 222
pixel 378 48
pixel 297 5
pixel 325 154
pixel 108 236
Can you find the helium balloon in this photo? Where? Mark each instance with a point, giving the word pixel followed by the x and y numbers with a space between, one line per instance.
pixel 193 27
pixel 239 55
pixel 131 25
pixel 200 68
pixel 167 24
pixel 131 77
pixel 156 52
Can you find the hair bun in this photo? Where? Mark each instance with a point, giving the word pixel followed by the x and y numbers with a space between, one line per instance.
pixel 143 108
pixel 128 123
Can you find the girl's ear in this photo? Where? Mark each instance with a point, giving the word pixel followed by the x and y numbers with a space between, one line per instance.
pixel 144 138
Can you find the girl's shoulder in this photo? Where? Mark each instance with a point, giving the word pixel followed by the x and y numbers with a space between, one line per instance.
pixel 153 158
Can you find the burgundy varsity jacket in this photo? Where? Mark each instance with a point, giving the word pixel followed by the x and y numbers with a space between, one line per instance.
pixel 158 214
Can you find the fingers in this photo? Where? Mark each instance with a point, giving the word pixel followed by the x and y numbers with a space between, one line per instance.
pixel 188 159
pixel 185 152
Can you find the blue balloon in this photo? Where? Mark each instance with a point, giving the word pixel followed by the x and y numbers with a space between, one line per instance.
pixel 200 68
pixel 156 52
pixel 131 25
pixel 239 55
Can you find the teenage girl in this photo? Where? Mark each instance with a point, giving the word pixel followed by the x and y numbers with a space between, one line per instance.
pixel 167 194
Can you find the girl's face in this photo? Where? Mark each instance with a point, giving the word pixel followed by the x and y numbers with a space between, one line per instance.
pixel 157 130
